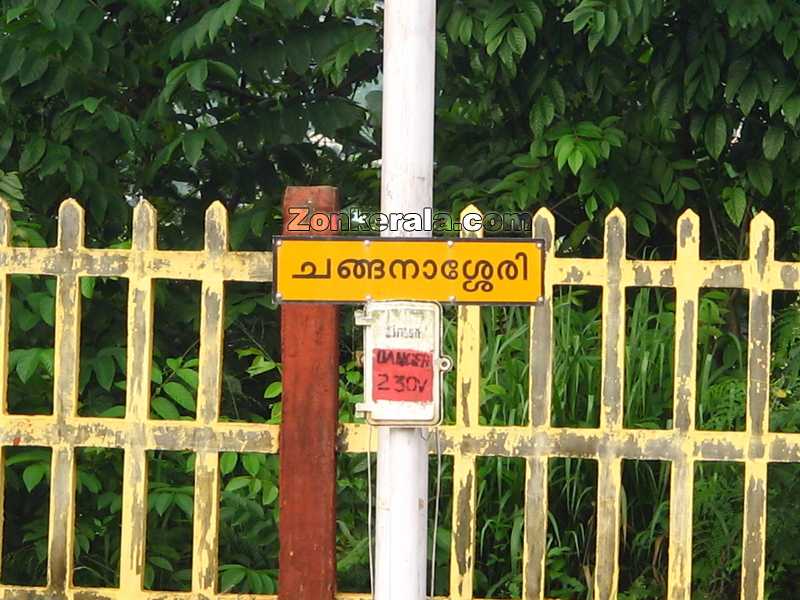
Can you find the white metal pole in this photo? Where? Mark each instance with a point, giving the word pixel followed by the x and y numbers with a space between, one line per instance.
pixel 406 186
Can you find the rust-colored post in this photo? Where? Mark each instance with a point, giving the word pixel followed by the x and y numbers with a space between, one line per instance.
pixel 310 355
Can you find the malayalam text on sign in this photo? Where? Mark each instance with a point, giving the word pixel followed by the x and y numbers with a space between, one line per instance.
pixel 463 271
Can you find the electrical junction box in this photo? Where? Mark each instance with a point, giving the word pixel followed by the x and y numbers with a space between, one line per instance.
pixel 403 364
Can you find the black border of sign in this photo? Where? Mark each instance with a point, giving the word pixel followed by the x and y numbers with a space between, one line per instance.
pixel 279 238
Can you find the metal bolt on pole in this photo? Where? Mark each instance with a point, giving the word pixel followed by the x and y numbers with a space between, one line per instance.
pixel 406 187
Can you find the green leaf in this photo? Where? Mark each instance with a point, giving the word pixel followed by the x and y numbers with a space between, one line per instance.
pixel 491 47
pixel 180 395
pixel 273 390
pixel 231 578
pixel 25 456
pixel 238 483
pixel 716 135
pixel 161 562
pixel 517 40
pixel 791 109
pixel 14 63
pixel 689 183
pixel 32 72
pixel 215 22
pixel 613 25
pixel 780 93
pixel 115 412
pixel 494 31
pixel 83 46
pixel 65 35
pixel 773 142
pixel 89 481
pixel 269 495
pixel 532 9
pixel 5 142
pixel 87 286
pixel 189 376
pixel 161 502
pixel 75 176
pixel 27 363
pixel 25 319
pixel 575 161
pixel 548 109
pixel 193 142
pixel 556 92
pixel 90 104
pixel 790 45
pixel 748 94
pixel 175 74
pixel 16 11
pixel 563 150
pixel 33 475
pixel 759 172
pixel 465 30
pixel 164 408
pixel 641 225
pixel 647 211
pixel 735 203
pixel 526 24
pixel 156 375
pixel 261 365
pixel 185 503
pixel 298 54
pixel 32 154
pixel 12 187
pixel 46 356
pixel 224 69
pixel 667 100
pixel 227 462
pixel 54 159
pixel 197 75
pixel 104 370
pixel 595 37
pixel 737 72
pixel 47 310
pixel 230 10
pixel 582 11
pixel 252 463
pixel 453 25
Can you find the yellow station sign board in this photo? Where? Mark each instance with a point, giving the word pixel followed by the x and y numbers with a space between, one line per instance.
pixel 460 271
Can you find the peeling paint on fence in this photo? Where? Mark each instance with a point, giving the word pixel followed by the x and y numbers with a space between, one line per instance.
pixel 466 440
pixel 683 445
pixel 64 430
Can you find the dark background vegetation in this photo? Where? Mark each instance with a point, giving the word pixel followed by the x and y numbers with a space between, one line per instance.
pixel 654 106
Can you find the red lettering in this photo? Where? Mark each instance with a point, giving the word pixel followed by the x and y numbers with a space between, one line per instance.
pixel 402 375
pixel 297 219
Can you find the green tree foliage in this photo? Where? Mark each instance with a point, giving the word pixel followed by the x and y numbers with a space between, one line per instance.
pixel 179 102
pixel 578 105
pixel 654 106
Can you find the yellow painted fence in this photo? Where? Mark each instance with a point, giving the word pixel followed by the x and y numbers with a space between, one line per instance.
pixel 207 436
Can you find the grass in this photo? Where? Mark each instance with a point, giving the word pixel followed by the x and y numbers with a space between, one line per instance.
pixel 648 400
